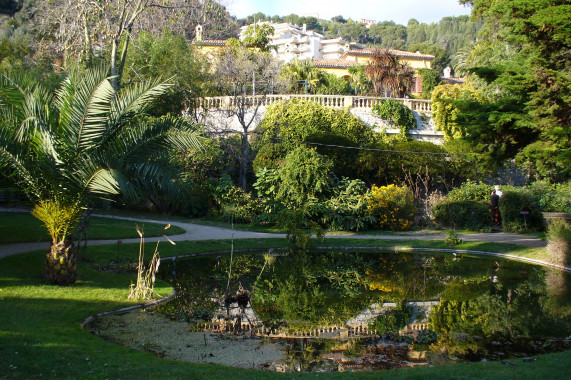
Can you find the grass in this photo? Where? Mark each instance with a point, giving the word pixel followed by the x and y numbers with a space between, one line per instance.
pixel 40 333
pixel 20 227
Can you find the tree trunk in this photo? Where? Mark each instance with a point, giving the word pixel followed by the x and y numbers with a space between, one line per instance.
pixel 243 177
pixel 61 264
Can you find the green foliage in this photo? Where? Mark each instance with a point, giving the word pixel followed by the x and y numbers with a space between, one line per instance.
pixel 452 238
pixel 393 207
pixel 298 120
pixel 440 61
pixel 521 63
pixel 234 206
pixel 347 209
pixel 471 191
pixel 299 226
pixel 511 205
pixel 302 77
pixel 389 35
pixel 259 36
pixel 169 56
pixel 430 79
pixel 537 160
pixel 396 114
pixel 446 109
pixel 335 85
pixel 552 197
pixel 393 320
pixel 270 155
pixel 469 214
pixel 59 220
pixel 304 175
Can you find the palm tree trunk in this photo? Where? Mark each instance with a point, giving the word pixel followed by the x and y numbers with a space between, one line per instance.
pixel 61 264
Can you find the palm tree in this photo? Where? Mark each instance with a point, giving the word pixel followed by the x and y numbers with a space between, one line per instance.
pixel 85 141
pixel 388 76
pixel 302 76
pixel 359 79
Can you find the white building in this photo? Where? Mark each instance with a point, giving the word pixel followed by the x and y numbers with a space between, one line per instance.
pixel 296 42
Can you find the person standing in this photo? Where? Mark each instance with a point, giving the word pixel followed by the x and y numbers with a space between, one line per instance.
pixel 495 207
pixel 498 191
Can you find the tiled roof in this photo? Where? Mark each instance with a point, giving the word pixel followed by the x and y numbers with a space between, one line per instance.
pixel 211 43
pixel 398 53
pixel 334 63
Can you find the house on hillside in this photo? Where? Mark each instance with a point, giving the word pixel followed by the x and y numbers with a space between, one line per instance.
pixel 333 55
pixel 208 47
pixel 359 57
pixel 296 42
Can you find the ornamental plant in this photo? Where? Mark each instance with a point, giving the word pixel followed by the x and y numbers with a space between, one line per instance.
pixel 396 114
pixel 393 207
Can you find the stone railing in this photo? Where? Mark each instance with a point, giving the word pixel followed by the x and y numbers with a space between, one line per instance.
pixel 334 101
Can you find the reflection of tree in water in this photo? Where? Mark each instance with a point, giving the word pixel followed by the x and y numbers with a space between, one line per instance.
pixel 318 289
pixel 482 300
pixel 512 308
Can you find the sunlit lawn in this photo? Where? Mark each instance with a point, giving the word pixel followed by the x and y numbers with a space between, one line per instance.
pixel 18 227
pixel 40 333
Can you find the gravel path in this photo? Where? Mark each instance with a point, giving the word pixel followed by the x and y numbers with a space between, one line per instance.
pixel 194 232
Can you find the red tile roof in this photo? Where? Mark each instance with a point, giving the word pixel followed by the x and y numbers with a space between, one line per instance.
pixel 334 63
pixel 398 53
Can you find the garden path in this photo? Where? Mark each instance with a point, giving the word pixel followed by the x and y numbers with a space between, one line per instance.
pixel 195 232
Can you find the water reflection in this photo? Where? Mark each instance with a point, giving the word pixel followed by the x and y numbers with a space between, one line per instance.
pixel 404 308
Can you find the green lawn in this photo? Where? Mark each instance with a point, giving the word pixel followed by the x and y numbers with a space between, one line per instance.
pixel 20 227
pixel 40 333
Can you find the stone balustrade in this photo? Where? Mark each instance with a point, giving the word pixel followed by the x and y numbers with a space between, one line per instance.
pixel 333 101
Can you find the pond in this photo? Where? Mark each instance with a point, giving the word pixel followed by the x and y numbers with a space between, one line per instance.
pixel 350 311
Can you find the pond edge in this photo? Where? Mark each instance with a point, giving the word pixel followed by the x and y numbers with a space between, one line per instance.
pixel 123 310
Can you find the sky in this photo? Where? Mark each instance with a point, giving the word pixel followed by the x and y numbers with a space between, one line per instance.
pixel 399 11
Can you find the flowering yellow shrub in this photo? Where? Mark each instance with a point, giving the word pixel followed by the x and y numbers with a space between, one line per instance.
pixel 393 207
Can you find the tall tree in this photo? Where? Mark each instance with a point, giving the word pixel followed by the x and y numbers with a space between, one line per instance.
pixel 530 91
pixel 86 141
pixel 83 29
pixel 243 73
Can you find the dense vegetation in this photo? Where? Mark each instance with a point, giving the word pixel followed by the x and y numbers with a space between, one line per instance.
pixel 452 34
pixel 316 166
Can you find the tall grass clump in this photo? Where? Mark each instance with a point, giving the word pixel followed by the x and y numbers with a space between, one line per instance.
pixel 559 242
pixel 145 287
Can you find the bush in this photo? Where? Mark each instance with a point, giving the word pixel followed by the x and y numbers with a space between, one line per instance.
pixel 552 197
pixel 393 320
pixel 393 207
pixel 396 113
pixel 512 203
pixel 347 210
pixel 470 215
pixel 559 242
pixel 471 191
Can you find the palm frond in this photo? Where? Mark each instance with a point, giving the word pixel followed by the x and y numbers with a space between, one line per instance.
pixel 84 102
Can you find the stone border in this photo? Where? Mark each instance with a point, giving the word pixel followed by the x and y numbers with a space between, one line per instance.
pixel 394 249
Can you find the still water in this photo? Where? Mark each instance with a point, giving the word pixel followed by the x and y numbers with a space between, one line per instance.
pixel 349 311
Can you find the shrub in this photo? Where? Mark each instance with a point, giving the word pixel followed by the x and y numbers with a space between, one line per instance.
pixel 559 242
pixel 512 203
pixel 552 197
pixel 234 206
pixel 303 175
pixel 471 191
pixel 393 207
pixel 396 113
pixel 348 210
pixel 470 215
pixel 393 320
